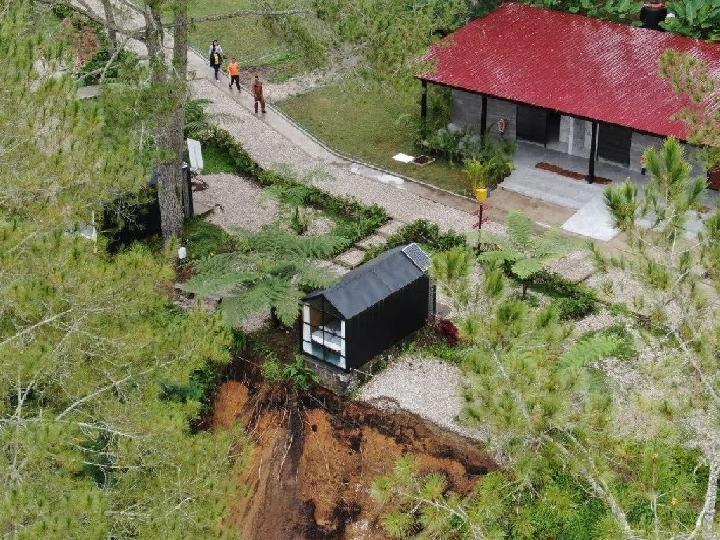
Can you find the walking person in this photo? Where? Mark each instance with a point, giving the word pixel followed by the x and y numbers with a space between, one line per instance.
pixel 258 93
pixel 233 70
pixel 216 56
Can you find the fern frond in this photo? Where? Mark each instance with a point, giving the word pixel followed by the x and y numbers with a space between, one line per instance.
pixel 526 268
pixel 589 350
pixel 520 229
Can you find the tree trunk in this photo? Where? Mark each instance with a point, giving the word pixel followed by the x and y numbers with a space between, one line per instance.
pixel 274 319
pixel 525 285
pixel 170 135
pixel 180 40
pixel 110 26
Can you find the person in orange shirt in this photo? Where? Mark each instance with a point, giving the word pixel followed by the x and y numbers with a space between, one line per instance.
pixel 258 94
pixel 234 72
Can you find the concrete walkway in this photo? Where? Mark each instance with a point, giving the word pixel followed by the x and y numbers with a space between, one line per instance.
pixel 275 143
pixel 591 217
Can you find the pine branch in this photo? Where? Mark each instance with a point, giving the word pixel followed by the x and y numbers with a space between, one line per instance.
pixel 242 13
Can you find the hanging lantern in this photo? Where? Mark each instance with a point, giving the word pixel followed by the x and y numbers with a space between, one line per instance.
pixel 501 125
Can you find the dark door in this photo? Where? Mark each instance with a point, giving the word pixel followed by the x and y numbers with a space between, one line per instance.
pixel 531 124
pixel 614 143
pixel 553 127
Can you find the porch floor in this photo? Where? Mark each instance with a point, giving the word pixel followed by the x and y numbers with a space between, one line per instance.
pixel 591 218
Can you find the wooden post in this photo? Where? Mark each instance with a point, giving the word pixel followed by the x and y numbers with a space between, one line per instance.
pixel 423 108
pixel 483 117
pixel 593 153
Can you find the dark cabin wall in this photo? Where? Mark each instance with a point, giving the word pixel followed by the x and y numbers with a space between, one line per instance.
pixel 387 322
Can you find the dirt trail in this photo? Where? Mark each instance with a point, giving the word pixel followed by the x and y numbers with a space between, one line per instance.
pixel 314 461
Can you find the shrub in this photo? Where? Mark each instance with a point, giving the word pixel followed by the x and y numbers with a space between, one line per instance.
pixel 576 307
pixel 297 374
pixel 201 388
pixel 205 239
pixel 625 348
pixel 492 156
pixel 448 331
pixel 422 232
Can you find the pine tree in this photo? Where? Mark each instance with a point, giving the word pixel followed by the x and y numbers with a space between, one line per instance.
pixel 91 444
pixel 670 264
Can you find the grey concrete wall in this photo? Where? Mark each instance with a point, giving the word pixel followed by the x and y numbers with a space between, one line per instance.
pixel 498 109
pixel 638 145
pixel 467 112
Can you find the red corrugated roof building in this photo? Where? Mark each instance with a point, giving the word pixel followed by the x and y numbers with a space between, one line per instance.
pixel 576 65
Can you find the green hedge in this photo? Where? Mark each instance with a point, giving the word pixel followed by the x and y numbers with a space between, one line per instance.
pixel 422 232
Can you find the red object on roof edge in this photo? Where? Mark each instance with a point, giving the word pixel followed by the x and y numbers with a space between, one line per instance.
pixel 577 65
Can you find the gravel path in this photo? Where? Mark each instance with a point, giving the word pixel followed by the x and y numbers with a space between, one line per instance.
pixel 423 386
pixel 240 202
pixel 272 150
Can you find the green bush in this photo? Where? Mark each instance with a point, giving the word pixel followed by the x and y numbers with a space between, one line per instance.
pixel 571 299
pixel 576 307
pixel 626 342
pixel 201 388
pixel 204 238
pixel 421 232
pixel 297 374
pixel 494 154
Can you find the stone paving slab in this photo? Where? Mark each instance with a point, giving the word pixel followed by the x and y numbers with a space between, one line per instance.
pixel 390 228
pixel 351 258
pixel 592 220
pixel 371 241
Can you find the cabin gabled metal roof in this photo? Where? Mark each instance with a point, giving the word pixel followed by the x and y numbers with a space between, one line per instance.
pixel 375 280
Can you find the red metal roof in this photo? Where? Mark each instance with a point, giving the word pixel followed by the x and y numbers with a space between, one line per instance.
pixel 573 64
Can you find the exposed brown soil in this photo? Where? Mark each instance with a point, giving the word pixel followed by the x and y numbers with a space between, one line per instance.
pixel 570 174
pixel 315 458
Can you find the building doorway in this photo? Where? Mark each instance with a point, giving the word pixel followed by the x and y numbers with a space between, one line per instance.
pixel 552 129
pixel 614 144
pixel 537 125
pixel 531 124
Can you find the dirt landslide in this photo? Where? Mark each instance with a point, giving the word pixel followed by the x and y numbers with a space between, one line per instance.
pixel 315 458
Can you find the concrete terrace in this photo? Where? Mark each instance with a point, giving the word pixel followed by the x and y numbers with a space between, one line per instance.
pixel 590 218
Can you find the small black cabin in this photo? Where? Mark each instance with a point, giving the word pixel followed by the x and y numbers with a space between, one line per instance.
pixel 372 308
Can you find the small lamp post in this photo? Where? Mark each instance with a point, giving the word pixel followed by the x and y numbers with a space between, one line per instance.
pixel 481 194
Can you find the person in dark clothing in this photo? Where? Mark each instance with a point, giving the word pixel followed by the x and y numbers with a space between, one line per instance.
pixel 216 55
pixel 258 93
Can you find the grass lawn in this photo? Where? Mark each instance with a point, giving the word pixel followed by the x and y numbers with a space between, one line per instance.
pixel 246 38
pixel 362 125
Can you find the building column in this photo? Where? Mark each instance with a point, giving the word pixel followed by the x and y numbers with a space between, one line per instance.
pixel 593 152
pixel 483 117
pixel 423 108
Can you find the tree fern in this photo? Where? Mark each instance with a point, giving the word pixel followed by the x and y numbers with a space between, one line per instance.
pixel 273 270
pixel 524 253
